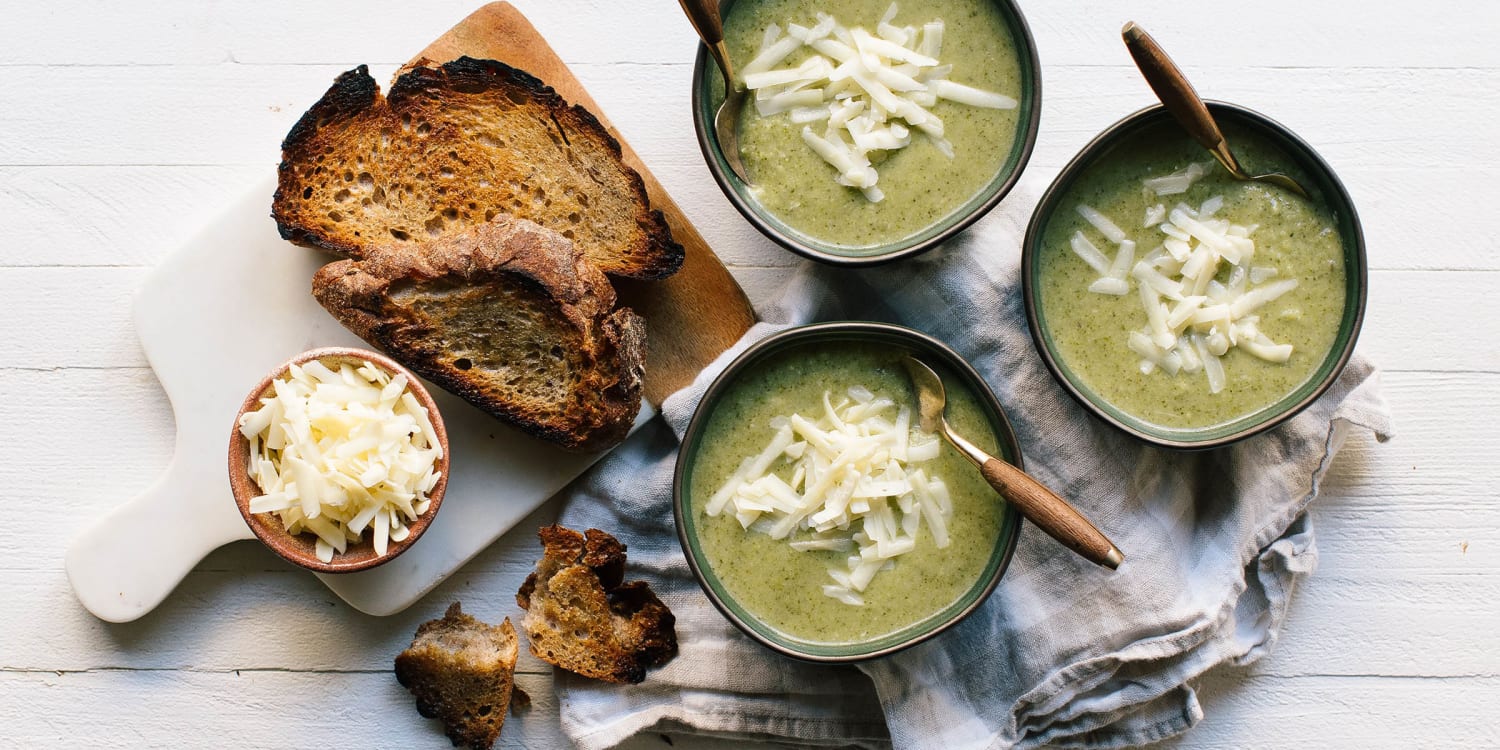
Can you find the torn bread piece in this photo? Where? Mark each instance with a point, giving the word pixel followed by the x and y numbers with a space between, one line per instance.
pixel 582 617
pixel 462 671
pixel 508 316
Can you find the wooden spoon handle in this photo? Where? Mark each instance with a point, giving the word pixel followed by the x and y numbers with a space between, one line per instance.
pixel 1173 89
pixel 1053 514
pixel 705 17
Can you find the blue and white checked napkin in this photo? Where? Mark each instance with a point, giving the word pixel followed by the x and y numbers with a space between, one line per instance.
pixel 1064 652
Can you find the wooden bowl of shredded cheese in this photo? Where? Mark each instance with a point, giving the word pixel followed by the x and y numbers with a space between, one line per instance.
pixel 338 459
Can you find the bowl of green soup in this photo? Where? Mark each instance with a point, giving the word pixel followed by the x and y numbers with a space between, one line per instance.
pixel 1182 306
pixel 814 512
pixel 872 132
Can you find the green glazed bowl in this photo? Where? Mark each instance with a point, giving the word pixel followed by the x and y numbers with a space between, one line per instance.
pixel 1324 185
pixel 708 91
pixel 919 344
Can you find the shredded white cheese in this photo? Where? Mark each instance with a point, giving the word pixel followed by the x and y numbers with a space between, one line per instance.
pixel 338 452
pixel 847 480
pixel 1192 319
pixel 868 92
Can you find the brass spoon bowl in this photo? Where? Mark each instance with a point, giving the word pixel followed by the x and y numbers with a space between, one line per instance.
pixel 1185 106
pixel 1038 504
pixel 704 14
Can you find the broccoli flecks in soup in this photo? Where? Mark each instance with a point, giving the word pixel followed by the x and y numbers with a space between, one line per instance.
pixel 921 185
pixel 1294 239
pixel 782 587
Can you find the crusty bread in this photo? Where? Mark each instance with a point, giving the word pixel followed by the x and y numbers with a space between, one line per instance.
pixel 462 672
pixel 508 316
pixel 452 146
pixel 581 617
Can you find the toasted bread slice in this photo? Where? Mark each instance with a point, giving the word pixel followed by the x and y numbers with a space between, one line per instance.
pixel 452 146
pixel 581 617
pixel 508 316
pixel 462 672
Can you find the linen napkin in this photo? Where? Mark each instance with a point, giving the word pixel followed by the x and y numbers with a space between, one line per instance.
pixel 1063 652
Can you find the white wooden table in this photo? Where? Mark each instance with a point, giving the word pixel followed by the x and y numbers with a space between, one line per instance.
pixel 124 126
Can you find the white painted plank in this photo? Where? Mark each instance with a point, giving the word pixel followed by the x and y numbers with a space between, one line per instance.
pixel 248 708
pixel 185 115
pixel 1344 712
pixel 112 216
pixel 286 31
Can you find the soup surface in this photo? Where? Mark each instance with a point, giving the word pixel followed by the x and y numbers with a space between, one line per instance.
pixel 782 587
pixel 1089 330
pixel 922 186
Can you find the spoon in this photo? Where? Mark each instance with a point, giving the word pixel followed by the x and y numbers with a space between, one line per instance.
pixel 704 14
pixel 1182 101
pixel 1038 504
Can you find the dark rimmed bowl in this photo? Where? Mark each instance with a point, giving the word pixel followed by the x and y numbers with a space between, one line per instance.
pixel 1324 184
pixel 300 549
pixel 707 93
pixel 920 344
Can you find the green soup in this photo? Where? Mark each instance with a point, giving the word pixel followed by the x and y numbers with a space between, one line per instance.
pixel 922 186
pixel 1298 238
pixel 782 587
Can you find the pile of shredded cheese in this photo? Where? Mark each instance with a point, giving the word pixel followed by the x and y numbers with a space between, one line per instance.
pixel 337 452
pixel 1192 319
pixel 855 486
pixel 866 92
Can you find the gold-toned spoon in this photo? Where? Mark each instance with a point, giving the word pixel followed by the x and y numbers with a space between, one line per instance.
pixel 710 27
pixel 1183 102
pixel 1038 504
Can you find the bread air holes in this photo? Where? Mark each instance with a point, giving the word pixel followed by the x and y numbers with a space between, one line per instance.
pixel 463 363
pixel 400 235
pixel 341 196
pixel 434 226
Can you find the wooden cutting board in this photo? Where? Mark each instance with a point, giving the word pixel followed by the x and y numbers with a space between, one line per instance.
pixel 691 317
pixel 235 301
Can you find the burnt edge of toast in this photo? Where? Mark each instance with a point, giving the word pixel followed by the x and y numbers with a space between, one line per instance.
pixel 355 91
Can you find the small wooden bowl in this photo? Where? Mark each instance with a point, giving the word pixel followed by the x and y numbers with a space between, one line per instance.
pixel 301 548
